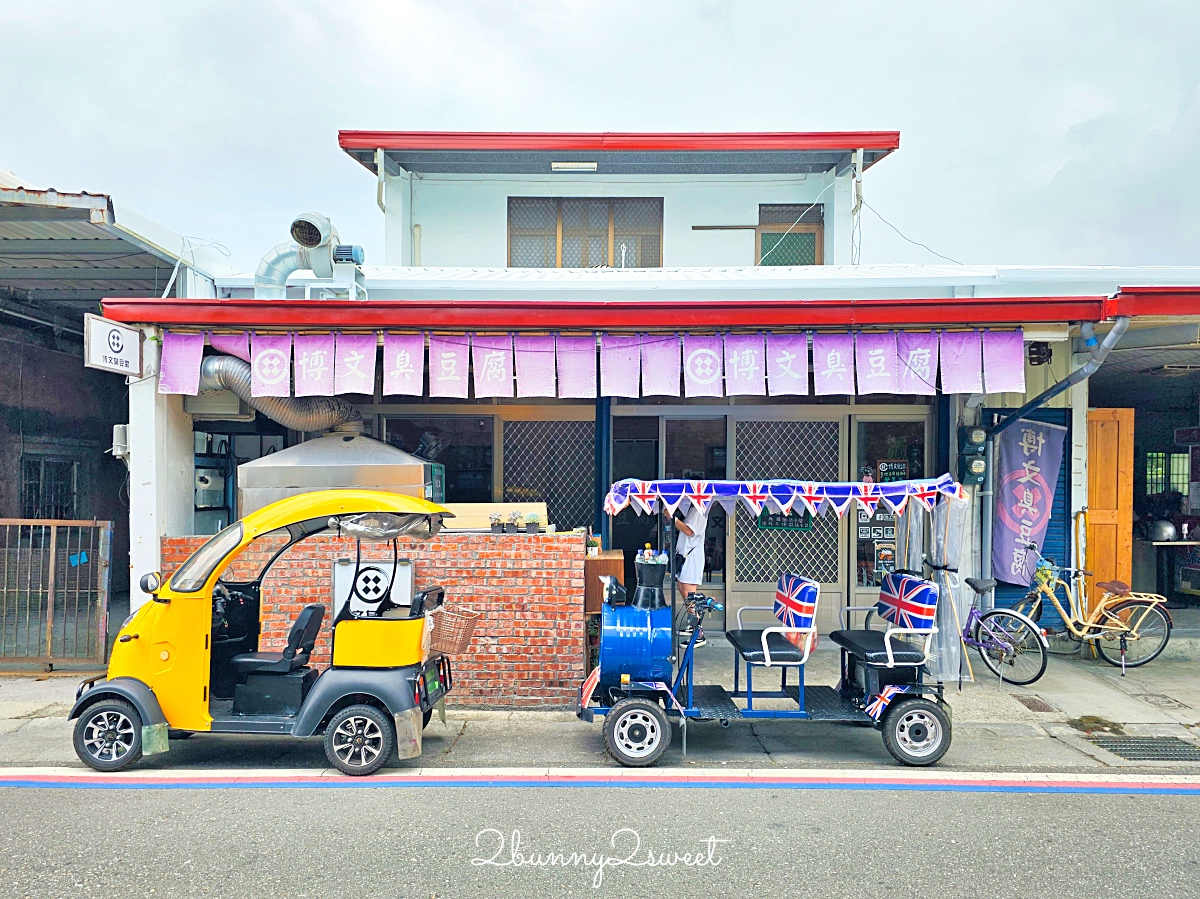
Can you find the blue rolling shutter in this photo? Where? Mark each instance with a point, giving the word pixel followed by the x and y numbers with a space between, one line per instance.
pixel 1057 544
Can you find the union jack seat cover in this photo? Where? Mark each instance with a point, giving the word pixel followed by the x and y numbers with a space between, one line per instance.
pixel 795 602
pixel 908 602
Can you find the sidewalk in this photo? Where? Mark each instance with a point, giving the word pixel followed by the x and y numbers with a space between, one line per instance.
pixel 996 727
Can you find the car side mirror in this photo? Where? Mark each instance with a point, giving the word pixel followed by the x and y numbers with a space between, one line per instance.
pixel 150 582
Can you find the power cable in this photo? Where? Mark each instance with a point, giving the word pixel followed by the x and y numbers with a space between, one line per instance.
pixel 915 243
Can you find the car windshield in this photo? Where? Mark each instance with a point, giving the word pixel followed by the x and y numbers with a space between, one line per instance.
pixel 194 573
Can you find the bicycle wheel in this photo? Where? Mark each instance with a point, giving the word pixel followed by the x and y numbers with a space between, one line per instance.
pixel 1149 630
pixel 1012 648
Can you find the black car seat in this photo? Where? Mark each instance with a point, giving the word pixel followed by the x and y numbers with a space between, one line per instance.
pixel 301 639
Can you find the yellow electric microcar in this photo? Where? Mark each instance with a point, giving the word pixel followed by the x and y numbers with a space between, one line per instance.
pixel 190 661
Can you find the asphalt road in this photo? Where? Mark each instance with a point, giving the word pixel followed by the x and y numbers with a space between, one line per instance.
pixel 402 842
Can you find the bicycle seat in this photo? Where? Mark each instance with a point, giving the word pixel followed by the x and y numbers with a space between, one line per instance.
pixel 980 585
pixel 1117 588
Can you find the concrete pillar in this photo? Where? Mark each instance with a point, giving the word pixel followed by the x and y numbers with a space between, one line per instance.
pixel 161 469
pixel 398 221
pixel 838 221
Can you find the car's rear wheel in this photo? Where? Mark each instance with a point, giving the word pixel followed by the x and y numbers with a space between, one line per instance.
pixel 916 732
pixel 108 735
pixel 359 740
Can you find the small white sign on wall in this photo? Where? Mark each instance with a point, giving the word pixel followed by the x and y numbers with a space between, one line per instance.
pixel 373 581
pixel 110 346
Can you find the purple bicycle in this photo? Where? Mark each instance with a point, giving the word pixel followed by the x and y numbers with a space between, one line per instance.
pixel 1012 645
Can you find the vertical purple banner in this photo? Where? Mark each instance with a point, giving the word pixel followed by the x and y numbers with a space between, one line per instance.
pixel 354 365
pixel 493 365
pixel 403 364
pixel 745 369
pixel 620 365
pixel 703 366
pixel 787 364
pixel 231 344
pixel 660 365
pixel 576 367
pixel 918 353
pixel 1004 361
pixel 962 369
pixel 1029 455
pixel 314 364
pixel 876 364
pixel 179 368
pixel 449 362
pixel 271 365
pixel 833 364
pixel 535 365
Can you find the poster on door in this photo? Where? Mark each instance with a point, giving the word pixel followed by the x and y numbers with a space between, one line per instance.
pixel 1029 455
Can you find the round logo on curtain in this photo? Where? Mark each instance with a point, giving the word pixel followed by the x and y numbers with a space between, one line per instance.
pixel 703 366
pixel 271 366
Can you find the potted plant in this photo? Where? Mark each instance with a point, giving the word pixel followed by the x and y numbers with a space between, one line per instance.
pixel 514 522
pixel 496 523
pixel 531 523
pixel 593 546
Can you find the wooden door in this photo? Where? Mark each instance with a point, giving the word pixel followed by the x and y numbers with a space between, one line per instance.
pixel 1110 497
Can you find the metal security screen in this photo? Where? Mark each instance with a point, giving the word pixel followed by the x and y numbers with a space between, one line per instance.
pixel 809 450
pixel 553 232
pixel 796 248
pixel 49 488
pixel 552 462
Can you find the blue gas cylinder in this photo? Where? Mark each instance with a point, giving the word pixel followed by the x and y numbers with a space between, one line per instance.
pixel 636 642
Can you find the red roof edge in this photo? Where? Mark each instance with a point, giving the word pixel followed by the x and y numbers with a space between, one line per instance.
pixel 599 314
pixel 1157 300
pixel 618 140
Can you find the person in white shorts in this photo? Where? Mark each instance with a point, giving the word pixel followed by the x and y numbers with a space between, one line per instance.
pixel 690 546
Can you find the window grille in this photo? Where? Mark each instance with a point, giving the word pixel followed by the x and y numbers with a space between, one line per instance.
pixel 550 232
pixel 1167 472
pixel 49 488
pixel 553 462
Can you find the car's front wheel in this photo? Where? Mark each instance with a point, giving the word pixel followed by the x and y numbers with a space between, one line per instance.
pixel 108 735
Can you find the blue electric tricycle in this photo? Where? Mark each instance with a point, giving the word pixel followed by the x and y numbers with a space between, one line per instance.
pixel 644 680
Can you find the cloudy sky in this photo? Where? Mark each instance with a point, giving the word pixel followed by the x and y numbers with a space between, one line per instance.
pixel 1043 132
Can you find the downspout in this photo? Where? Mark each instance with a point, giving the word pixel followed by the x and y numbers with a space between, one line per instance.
pixel 306 413
pixel 1099 353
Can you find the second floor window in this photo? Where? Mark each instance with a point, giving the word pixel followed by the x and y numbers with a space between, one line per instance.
pixel 790 234
pixel 549 232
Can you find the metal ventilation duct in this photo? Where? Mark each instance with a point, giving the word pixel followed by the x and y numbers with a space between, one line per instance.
pixel 307 413
pixel 329 462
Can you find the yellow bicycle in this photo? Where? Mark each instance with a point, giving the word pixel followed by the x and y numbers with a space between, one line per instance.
pixel 1127 629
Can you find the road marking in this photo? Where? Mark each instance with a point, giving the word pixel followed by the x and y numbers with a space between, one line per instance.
pixel 601 778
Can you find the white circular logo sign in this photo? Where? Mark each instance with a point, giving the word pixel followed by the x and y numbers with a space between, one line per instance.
pixel 271 366
pixel 371 584
pixel 116 342
pixel 703 366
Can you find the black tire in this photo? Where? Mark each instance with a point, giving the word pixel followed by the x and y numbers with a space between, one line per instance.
pixel 108 735
pixel 916 732
pixel 359 740
pixel 636 732
pixel 1026 661
pixel 426 717
pixel 1031 607
pixel 1153 627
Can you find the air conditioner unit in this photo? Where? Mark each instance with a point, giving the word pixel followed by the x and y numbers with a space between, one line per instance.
pixel 217 405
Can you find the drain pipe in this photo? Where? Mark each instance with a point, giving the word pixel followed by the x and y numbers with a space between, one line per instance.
pixel 305 413
pixel 1099 353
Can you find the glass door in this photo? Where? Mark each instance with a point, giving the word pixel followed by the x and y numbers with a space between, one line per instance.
pixel 695 450
pixel 884 451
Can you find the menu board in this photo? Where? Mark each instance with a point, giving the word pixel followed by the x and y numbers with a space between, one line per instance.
pixel 892 470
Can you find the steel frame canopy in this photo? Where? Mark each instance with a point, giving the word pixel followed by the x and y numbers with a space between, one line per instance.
pixel 616 153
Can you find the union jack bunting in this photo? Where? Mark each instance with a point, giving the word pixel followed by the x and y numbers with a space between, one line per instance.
pixel 755 495
pixel 877 706
pixel 868 496
pixel 782 494
pixel 907 601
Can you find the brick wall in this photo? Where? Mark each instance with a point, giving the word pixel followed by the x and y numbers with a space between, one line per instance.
pixel 527 651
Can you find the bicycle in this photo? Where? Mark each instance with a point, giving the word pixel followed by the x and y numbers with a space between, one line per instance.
pixel 1127 629
pixel 1011 645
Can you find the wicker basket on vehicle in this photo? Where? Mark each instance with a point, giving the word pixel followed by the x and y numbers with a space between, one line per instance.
pixel 452 630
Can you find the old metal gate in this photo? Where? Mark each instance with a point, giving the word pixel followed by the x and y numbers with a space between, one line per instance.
pixel 54 584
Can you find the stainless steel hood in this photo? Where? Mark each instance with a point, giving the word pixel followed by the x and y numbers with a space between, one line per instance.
pixel 328 462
